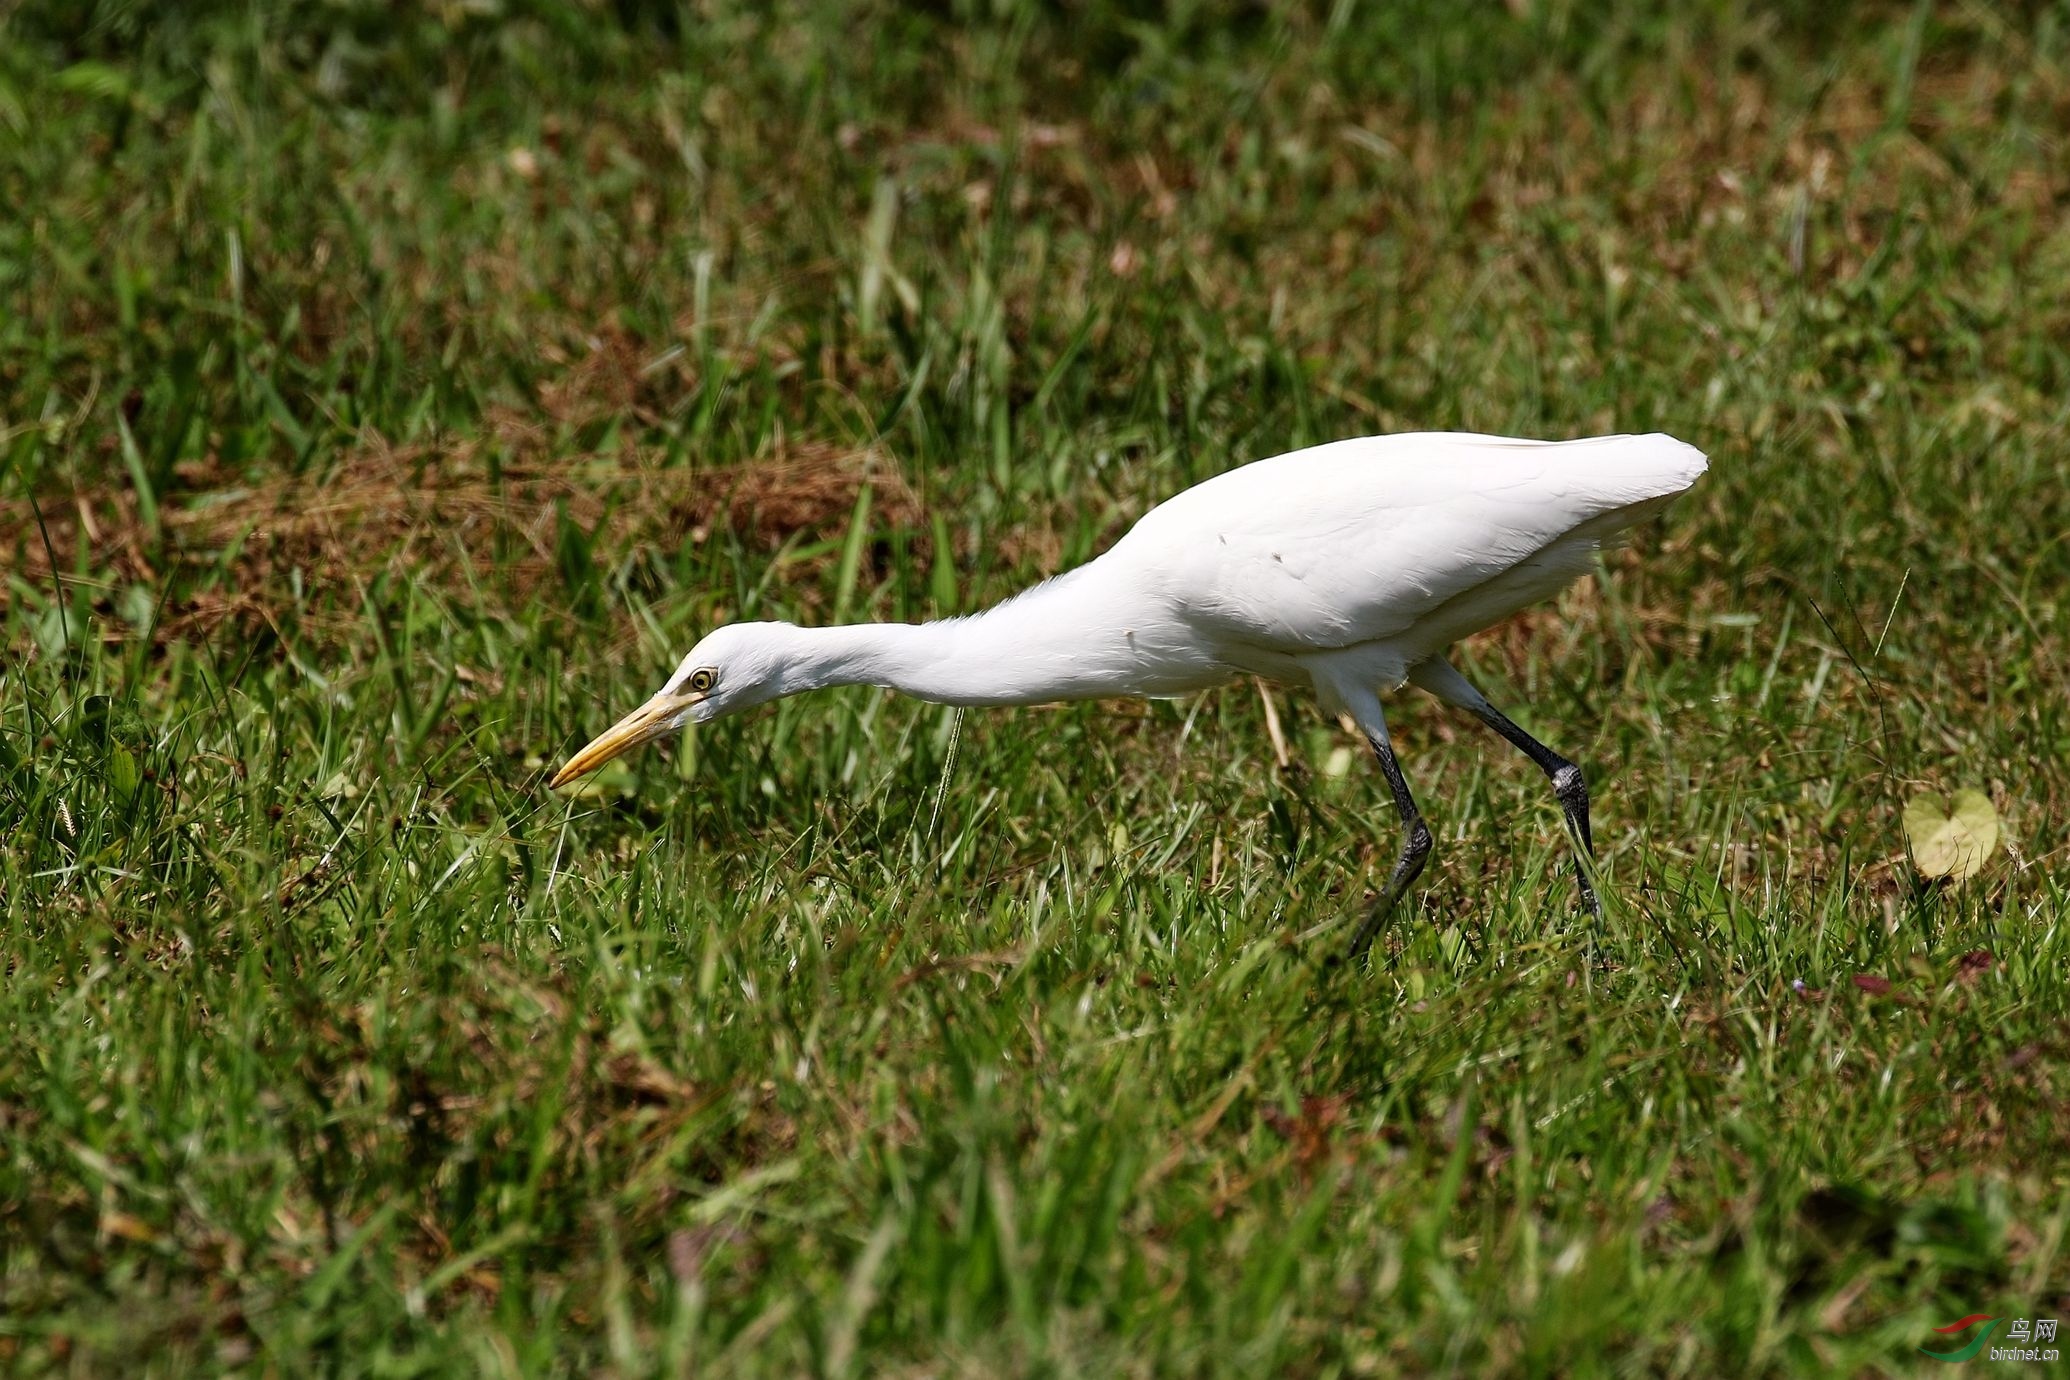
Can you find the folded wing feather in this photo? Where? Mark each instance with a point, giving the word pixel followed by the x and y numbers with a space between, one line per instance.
pixel 1360 541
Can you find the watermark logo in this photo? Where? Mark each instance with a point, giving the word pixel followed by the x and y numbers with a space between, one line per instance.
pixel 1976 1343
pixel 2026 1339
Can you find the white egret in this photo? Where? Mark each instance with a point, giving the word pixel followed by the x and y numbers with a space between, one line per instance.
pixel 1349 568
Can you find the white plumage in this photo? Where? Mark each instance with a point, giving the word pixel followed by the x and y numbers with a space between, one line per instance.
pixel 1348 568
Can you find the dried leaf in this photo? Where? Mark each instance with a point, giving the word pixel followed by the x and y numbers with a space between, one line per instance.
pixel 127 1227
pixel 1951 838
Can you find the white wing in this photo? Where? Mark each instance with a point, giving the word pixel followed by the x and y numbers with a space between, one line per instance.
pixel 1359 541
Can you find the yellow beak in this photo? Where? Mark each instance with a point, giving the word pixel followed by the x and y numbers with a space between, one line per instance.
pixel 650 721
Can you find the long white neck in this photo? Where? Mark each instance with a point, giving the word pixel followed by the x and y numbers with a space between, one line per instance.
pixel 1056 642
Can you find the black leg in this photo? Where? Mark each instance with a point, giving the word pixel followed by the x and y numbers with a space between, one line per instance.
pixel 1440 678
pixel 1568 786
pixel 1415 846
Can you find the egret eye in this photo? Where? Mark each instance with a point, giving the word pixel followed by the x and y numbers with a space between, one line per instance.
pixel 701 681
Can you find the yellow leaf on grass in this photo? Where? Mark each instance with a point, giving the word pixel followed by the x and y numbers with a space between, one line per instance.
pixel 1951 836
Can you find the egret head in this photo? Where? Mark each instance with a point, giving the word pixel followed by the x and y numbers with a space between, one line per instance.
pixel 735 667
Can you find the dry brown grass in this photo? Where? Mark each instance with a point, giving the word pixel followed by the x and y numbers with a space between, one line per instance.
pixel 452 513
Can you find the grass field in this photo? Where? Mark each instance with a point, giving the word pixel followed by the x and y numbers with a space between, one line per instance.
pixel 389 396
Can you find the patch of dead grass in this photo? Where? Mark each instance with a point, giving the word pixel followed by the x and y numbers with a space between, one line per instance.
pixel 228 549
